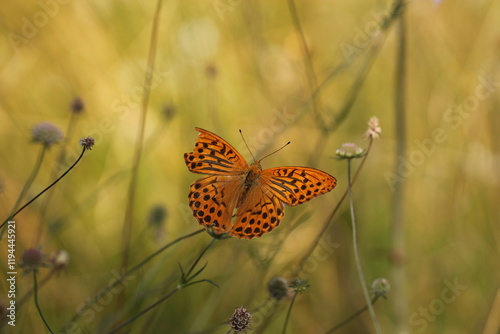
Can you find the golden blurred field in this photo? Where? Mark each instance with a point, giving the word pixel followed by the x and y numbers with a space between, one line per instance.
pixel 225 65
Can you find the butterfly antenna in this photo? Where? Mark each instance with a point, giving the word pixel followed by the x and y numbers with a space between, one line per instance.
pixel 248 148
pixel 279 149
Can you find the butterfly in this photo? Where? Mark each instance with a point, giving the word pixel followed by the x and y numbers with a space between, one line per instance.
pixel 255 194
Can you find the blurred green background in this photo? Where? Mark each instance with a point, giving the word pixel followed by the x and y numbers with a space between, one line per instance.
pixel 225 65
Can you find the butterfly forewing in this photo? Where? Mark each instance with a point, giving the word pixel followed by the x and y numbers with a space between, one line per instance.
pixel 213 155
pixel 296 185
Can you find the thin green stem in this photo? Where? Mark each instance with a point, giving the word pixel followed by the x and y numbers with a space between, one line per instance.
pixel 112 285
pixel 372 50
pixel 200 256
pixel 352 95
pixel 185 283
pixel 147 309
pixel 35 294
pixel 352 317
pixel 329 219
pixel 28 293
pixel 131 194
pixel 43 191
pixel 30 180
pixel 398 214
pixel 60 161
pixel 311 75
pixel 356 253
pixel 289 312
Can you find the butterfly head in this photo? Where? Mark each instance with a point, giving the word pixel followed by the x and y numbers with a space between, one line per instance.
pixel 256 166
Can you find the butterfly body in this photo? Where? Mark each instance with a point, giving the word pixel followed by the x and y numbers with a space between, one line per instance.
pixel 254 196
pixel 252 175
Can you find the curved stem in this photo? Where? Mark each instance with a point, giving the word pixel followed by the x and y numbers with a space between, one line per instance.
pixel 149 308
pixel 400 304
pixel 28 293
pixel 43 191
pixel 200 256
pixel 289 312
pixel 35 291
pixel 131 193
pixel 29 182
pixel 356 253
pixel 328 220
pixel 311 75
pixel 112 285
pixel 185 284
pixel 60 161
pixel 352 317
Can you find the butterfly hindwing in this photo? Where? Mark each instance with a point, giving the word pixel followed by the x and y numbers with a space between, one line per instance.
pixel 213 155
pixel 259 213
pixel 212 199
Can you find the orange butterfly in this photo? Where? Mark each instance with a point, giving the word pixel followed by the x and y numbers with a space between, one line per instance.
pixel 258 195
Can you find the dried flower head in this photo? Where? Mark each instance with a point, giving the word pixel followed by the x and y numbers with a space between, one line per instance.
pixel 168 112
pixel 32 259
pixel 211 70
pixel 374 129
pixel 157 215
pixel 87 142
pixel 46 133
pixel 299 285
pixel 240 320
pixel 278 288
pixel 381 287
pixel 350 151
pixel 59 259
pixel 77 105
